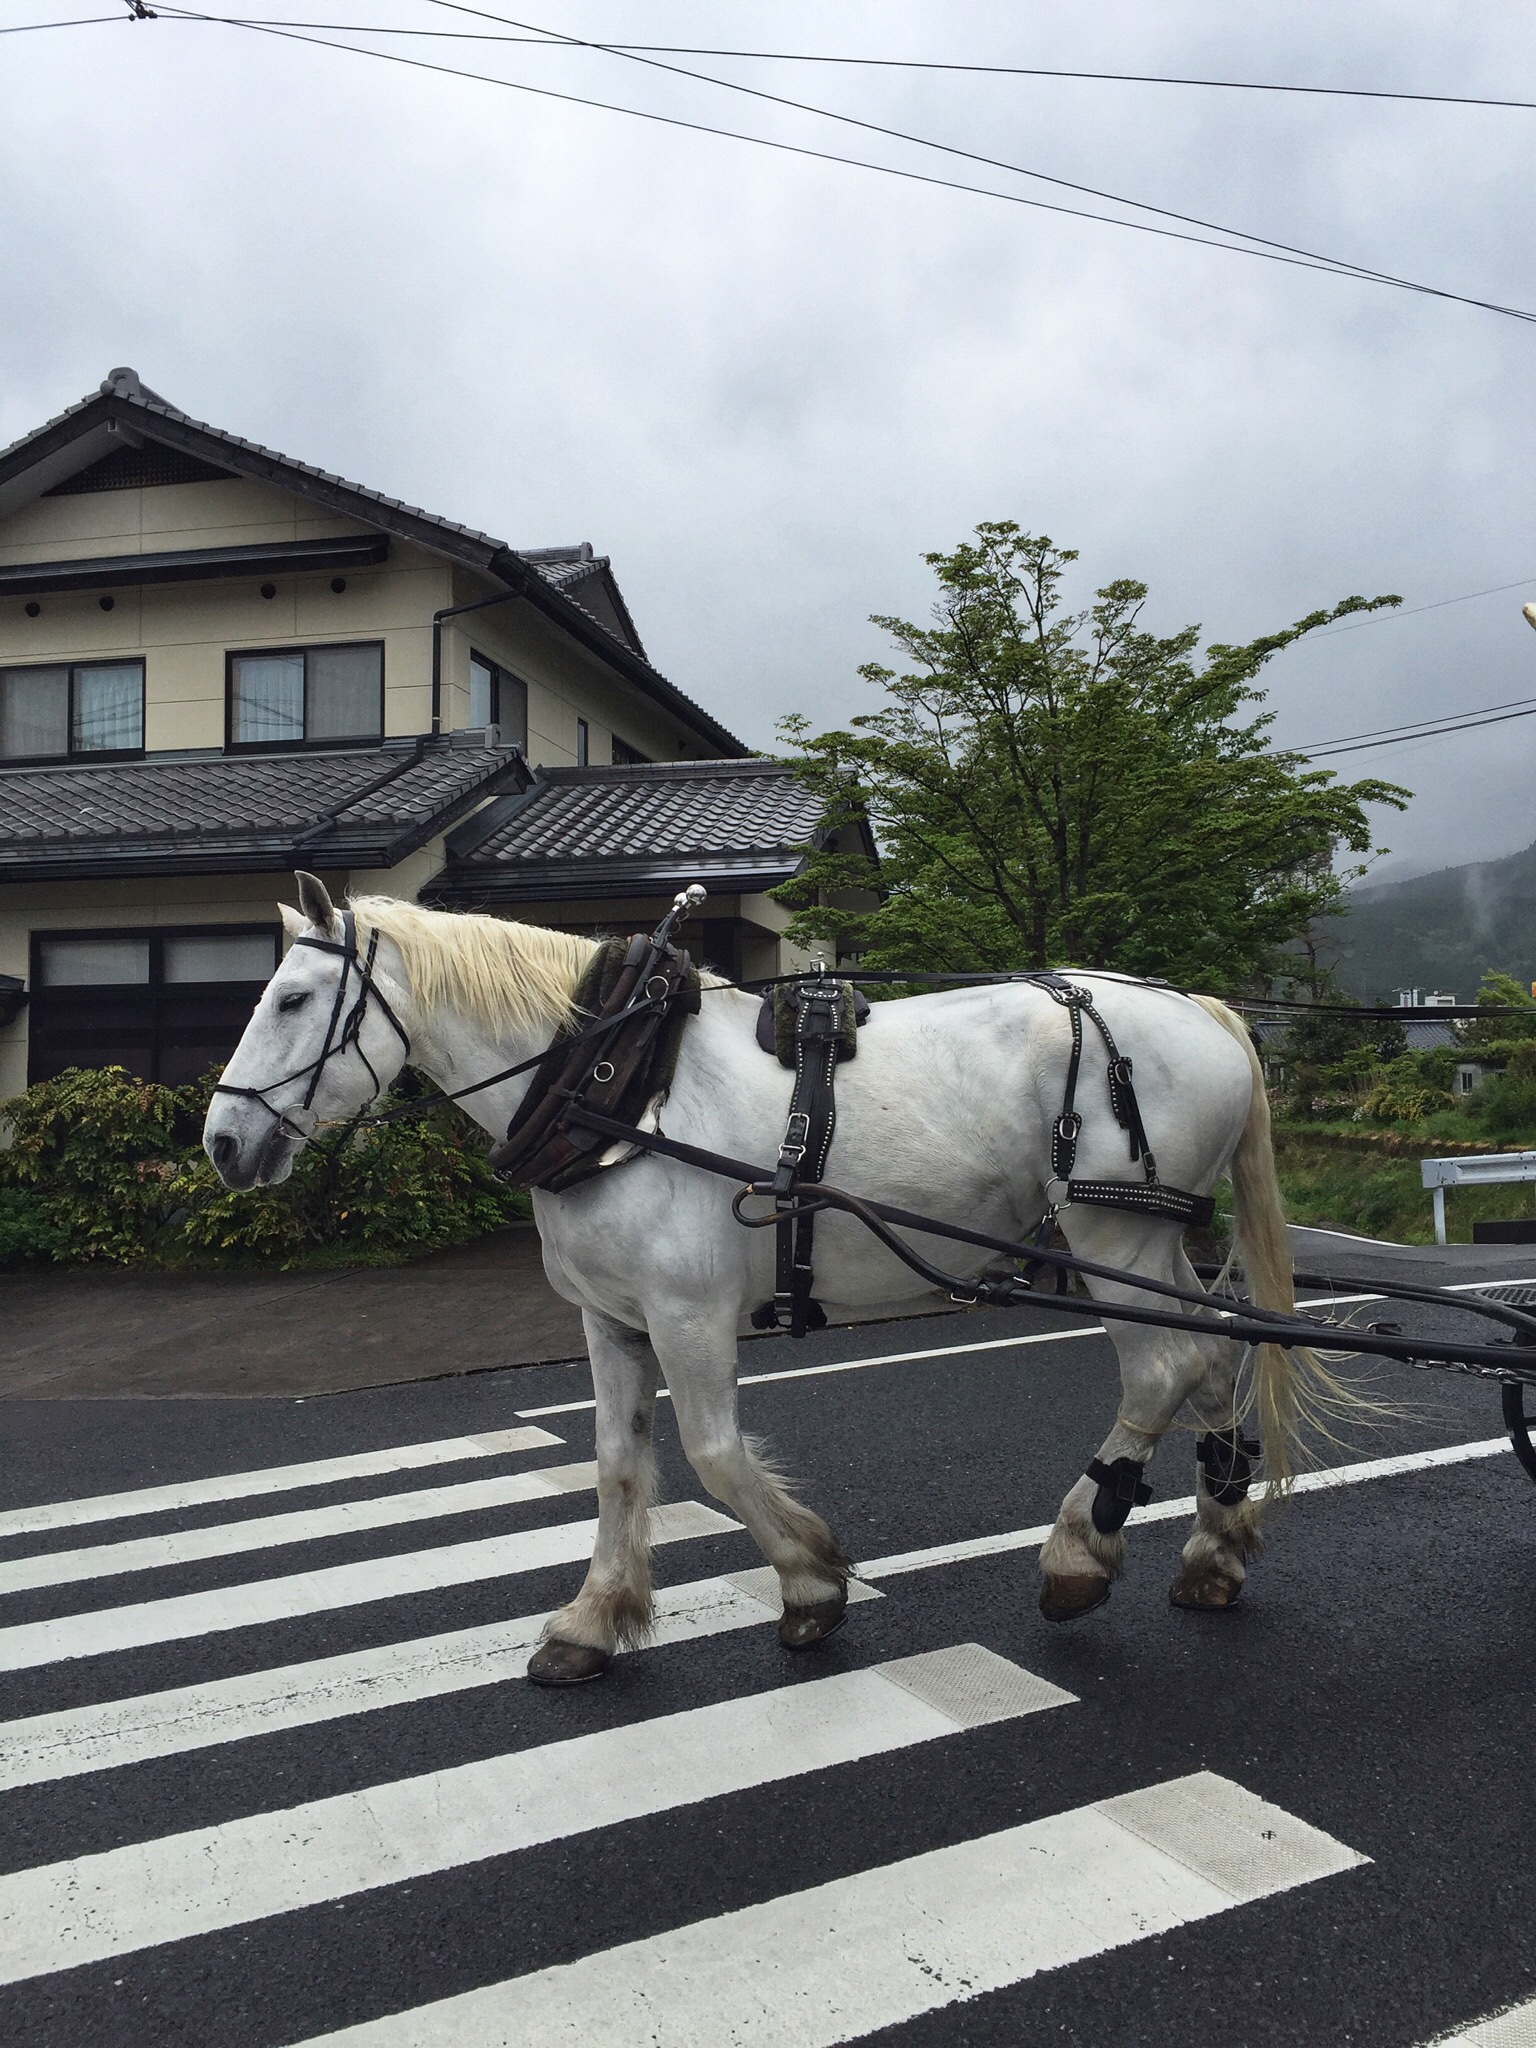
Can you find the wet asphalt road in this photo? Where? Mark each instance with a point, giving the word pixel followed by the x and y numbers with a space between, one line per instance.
pixel 1378 1681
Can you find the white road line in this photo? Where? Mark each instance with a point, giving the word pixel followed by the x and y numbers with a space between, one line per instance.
pixel 1174 1510
pixel 118 1732
pixel 815 1968
pixel 60 1915
pixel 1515 2027
pixel 103 1737
pixel 29 1644
pixel 812 1372
pixel 308 1525
pixel 192 1493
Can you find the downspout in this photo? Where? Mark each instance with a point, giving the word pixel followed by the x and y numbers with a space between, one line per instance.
pixel 452 611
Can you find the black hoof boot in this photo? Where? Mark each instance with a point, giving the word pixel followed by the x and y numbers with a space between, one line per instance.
pixel 557 1663
pixel 802 1628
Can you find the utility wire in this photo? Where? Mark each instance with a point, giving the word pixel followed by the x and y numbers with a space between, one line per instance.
pixel 1430 731
pixel 944 148
pixel 1439 605
pixel 1327 267
pixel 1350 92
pixel 22 28
pixel 1345 92
pixel 1413 724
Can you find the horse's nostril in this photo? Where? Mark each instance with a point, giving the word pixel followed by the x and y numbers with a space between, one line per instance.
pixel 224 1150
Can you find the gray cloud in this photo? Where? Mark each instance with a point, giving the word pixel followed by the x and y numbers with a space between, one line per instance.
pixel 767 386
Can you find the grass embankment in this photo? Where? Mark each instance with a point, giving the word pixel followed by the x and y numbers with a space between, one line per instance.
pixel 1368 1181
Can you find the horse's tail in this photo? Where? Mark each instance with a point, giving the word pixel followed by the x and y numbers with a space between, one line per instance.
pixel 1294 1393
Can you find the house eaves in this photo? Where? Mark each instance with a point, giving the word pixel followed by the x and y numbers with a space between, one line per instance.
pixel 257 814
pixel 125 412
pixel 193 565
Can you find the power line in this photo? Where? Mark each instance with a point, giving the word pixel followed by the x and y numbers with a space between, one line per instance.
pixel 1413 724
pixel 22 28
pixel 1351 92
pixel 542 41
pixel 944 148
pixel 1439 605
pixel 1432 729
pixel 1326 266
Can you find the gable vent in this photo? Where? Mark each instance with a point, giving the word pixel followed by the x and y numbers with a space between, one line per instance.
pixel 129 469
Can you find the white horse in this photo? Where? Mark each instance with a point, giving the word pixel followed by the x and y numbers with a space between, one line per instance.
pixel 947 1110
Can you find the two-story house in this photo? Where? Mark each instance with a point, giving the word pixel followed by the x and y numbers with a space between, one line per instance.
pixel 218 663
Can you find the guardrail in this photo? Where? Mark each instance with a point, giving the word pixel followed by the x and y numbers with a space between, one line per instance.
pixel 1486 1169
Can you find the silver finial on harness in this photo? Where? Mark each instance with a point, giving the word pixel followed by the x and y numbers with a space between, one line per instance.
pixel 691 897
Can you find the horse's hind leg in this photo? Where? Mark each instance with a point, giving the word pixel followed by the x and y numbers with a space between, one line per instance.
pixel 813 1572
pixel 1159 1370
pixel 1226 1532
pixel 613 1607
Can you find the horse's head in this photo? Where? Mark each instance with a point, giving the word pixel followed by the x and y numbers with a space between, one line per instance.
pixel 323 1041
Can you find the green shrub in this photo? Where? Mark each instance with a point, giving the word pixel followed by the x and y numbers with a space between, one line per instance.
pixel 27 1237
pixel 1404 1093
pixel 95 1149
pixel 1505 1106
pixel 107 1167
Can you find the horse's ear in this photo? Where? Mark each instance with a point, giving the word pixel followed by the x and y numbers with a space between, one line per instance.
pixel 314 900
pixel 293 923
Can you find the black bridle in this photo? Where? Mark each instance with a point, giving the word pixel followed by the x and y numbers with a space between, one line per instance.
pixel 342 1032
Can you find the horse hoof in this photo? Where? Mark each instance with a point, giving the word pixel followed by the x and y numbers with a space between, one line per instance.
pixel 1066 1596
pixel 1204 1591
pixel 802 1628
pixel 557 1663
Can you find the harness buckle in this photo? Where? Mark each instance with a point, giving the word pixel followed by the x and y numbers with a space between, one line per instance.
pixel 797 1135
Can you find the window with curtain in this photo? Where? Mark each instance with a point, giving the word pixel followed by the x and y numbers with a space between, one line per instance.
pixel 50 713
pixel 499 698
pixel 306 696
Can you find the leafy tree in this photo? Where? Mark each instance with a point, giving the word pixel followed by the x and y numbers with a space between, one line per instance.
pixel 1502 992
pixel 1053 787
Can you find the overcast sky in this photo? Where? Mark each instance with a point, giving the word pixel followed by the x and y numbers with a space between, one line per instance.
pixel 766 386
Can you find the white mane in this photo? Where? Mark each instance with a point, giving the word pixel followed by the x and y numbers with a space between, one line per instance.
pixel 512 977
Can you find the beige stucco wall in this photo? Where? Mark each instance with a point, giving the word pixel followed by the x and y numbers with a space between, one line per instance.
pixel 184 632
pixel 564 683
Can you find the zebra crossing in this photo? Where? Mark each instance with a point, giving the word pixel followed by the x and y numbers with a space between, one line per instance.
pixel 215 1877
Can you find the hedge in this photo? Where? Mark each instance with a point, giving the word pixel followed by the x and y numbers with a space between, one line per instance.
pixel 107 1168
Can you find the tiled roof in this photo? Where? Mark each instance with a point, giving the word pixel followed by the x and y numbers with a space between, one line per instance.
pixel 222 813
pixel 562 570
pixel 597 831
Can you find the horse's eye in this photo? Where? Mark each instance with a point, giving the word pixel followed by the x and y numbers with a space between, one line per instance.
pixel 295 1001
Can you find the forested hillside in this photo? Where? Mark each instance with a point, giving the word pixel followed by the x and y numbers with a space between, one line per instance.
pixel 1438 931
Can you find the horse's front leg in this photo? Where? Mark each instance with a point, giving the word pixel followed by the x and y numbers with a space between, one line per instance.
pixel 700 1364
pixel 613 1608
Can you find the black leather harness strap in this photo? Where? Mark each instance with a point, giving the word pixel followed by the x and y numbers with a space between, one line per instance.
pixel 818 1004
pixel 1155 1197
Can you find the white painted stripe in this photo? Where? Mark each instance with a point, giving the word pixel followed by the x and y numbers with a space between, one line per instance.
pixel 813 1372
pixel 344 1585
pixel 118 1732
pixel 194 1493
pixel 43 1747
pixel 308 1525
pixel 1173 1510
pixel 815 1968
pixel 61 1915
pixel 1515 2027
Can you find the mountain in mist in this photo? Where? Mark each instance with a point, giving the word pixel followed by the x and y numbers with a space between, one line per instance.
pixel 1437 931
